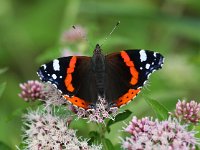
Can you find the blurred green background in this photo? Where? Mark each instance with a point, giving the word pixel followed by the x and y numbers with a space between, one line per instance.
pixel 30 34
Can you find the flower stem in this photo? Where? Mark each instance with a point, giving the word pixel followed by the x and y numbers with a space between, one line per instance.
pixel 102 131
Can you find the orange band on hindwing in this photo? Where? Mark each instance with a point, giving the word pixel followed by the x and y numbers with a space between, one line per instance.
pixel 77 101
pixel 69 71
pixel 127 97
pixel 131 65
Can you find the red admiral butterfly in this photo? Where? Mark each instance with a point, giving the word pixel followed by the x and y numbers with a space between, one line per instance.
pixel 117 77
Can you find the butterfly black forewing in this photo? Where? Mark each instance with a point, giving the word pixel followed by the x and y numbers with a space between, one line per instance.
pixel 55 73
pixel 146 62
pixel 83 80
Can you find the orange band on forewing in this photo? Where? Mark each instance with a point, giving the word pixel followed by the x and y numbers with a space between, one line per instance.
pixel 125 56
pixel 70 87
pixel 133 72
pixel 77 101
pixel 133 81
pixel 68 79
pixel 69 71
pixel 131 65
pixel 127 97
pixel 72 62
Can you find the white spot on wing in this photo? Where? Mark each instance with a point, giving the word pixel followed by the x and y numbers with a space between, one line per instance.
pixel 56 65
pixel 154 54
pixel 148 76
pixel 147 66
pixel 44 66
pixel 54 76
pixel 143 55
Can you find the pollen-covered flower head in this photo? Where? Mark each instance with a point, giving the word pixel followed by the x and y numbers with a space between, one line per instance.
pixel 188 111
pixel 46 92
pixel 32 90
pixel 148 134
pixel 44 130
pixel 99 114
pixel 52 95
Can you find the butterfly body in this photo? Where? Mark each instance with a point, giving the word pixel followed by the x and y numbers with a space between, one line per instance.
pixel 117 77
pixel 99 70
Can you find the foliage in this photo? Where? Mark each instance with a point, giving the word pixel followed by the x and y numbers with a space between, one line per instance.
pixel 161 112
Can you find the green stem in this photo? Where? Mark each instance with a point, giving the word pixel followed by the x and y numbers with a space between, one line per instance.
pixel 102 131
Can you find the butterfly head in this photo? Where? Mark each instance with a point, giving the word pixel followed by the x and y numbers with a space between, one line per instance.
pixel 97 49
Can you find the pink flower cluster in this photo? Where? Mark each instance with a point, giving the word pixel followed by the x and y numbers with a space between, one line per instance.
pixel 165 135
pixel 44 130
pixel 188 111
pixel 99 114
pixel 32 90
pixel 53 96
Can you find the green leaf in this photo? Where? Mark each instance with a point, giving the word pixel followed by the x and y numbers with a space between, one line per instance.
pixel 3 70
pixel 119 117
pixel 2 88
pixel 22 146
pixel 117 146
pixel 197 147
pixel 107 144
pixel 197 129
pixel 3 146
pixel 94 136
pixel 190 127
pixel 17 113
pixel 62 111
pixel 161 111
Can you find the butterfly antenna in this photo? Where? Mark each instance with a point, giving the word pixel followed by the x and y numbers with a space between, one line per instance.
pixel 110 33
pixel 82 35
